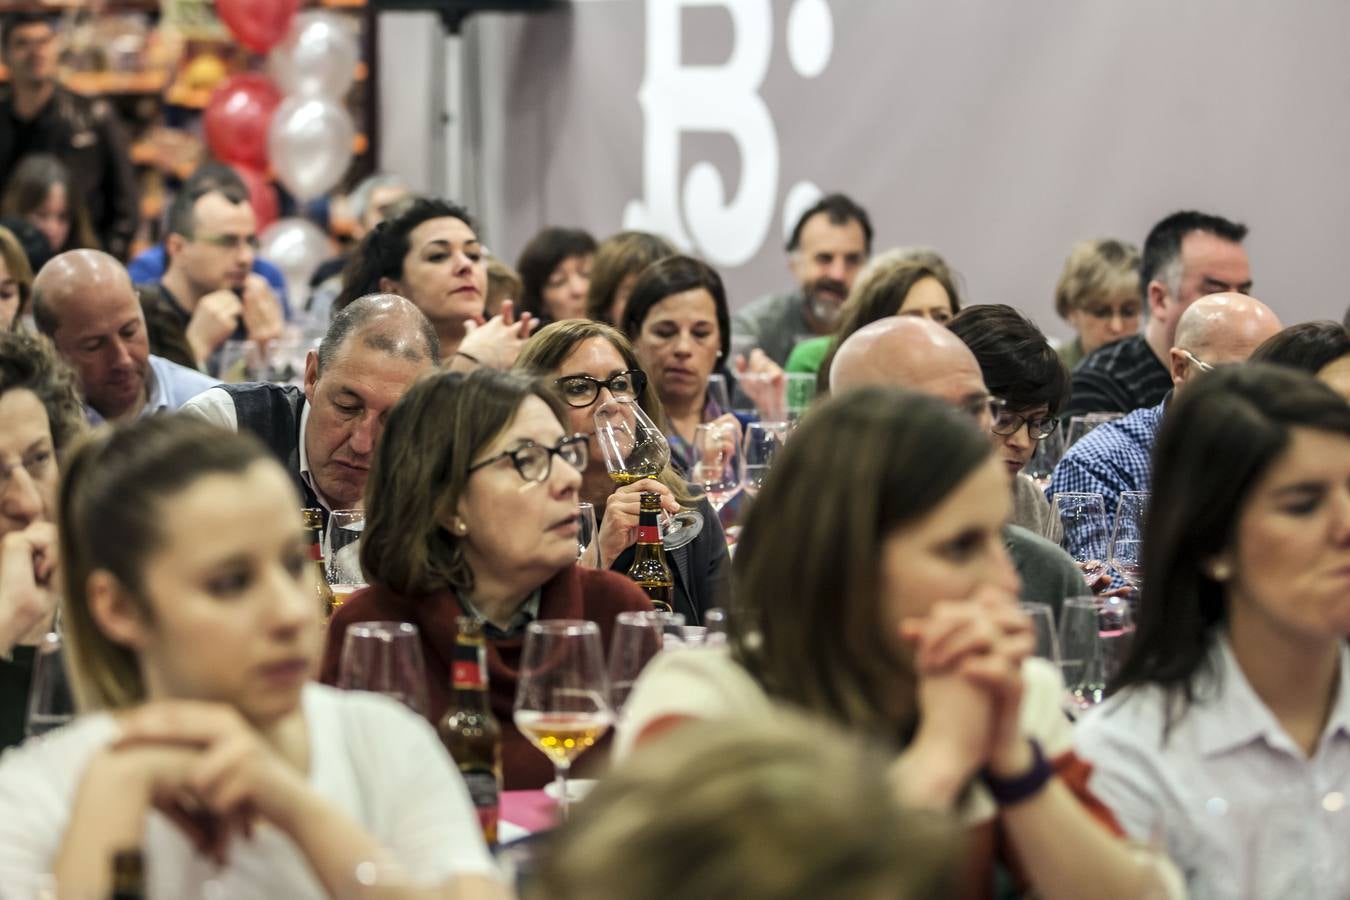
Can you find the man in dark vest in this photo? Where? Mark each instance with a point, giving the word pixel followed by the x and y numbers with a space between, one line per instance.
pixel 326 434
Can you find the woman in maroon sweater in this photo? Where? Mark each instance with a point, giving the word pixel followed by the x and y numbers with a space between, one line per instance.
pixel 472 510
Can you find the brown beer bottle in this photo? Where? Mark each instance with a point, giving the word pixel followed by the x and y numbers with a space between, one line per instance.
pixel 469 730
pixel 128 876
pixel 650 569
pixel 314 522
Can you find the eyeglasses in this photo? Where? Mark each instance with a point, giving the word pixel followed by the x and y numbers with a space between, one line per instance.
pixel 1008 423
pixel 37 464
pixel 228 241
pixel 534 462
pixel 580 391
pixel 980 407
pixel 1198 363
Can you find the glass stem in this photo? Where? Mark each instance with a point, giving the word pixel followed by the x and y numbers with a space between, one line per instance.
pixel 560 779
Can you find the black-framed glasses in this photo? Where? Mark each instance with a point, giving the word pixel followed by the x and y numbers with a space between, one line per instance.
pixel 580 391
pixel 534 461
pixel 1008 423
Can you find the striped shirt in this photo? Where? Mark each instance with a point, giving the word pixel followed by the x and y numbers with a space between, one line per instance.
pixel 1119 377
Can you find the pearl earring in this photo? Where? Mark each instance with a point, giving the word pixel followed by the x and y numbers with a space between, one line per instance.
pixel 1220 571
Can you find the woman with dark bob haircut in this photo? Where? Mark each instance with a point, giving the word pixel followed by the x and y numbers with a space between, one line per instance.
pixel 472 510
pixel 873 590
pixel 1227 732
pixel 589 362
pixel 555 274
pixel 619 260
pixel 430 254
pixel 1021 369
pixel 1318 348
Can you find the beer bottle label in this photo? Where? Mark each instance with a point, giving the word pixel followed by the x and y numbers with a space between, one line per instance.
pixel 464 673
pixel 649 534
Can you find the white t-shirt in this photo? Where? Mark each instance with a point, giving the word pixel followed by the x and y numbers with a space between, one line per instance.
pixel 706 683
pixel 369 756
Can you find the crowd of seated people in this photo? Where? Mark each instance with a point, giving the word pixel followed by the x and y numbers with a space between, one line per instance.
pixel 883 716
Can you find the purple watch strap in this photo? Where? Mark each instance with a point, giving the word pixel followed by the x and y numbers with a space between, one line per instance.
pixel 1008 791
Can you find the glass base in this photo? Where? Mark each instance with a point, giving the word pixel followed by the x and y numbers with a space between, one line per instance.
pixel 680 529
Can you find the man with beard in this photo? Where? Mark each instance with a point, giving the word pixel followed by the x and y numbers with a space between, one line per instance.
pixel 83 300
pixel 827 248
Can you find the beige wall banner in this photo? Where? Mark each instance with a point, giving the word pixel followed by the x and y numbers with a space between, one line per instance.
pixel 997 132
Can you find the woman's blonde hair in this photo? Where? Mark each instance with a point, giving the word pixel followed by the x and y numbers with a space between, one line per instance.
pixel 16 263
pixel 544 353
pixel 110 519
pixel 431 438
pixel 1097 270
pixel 731 811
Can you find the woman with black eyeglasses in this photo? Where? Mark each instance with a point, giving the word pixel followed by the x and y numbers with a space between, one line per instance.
pixel 1024 371
pixel 472 510
pixel 590 362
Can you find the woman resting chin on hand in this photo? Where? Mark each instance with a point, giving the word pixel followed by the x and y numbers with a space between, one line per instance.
pixel 192 630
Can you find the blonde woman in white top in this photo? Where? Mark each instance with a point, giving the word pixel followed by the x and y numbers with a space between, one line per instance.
pixel 872 589
pixel 1227 735
pixel 192 629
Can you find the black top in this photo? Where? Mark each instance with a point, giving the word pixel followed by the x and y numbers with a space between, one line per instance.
pixel 15 677
pixel 273 413
pixel 702 568
pixel 1120 377
pixel 85 134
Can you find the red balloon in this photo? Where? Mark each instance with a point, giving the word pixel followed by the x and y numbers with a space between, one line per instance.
pixel 262 196
pixel 237 119
pixel 258 24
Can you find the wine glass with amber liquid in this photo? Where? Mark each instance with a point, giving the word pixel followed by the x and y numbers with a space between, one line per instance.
pixel 635 449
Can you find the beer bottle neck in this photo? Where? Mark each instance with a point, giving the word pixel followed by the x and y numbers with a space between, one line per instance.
pixel 468 676
pixel 649 529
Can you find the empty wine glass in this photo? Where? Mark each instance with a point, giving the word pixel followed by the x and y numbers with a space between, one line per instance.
pixel 1086 533
pixel 50 702
pixel 763 440
pixel 799 389
pixel 634 449
pixel 562 696
pixel 1079 426
pixel 717 392
pixel 588 548
pixel 715 620
pixel 1049 451
pixel 1127 539
pixel 344 553
pixel 716 462
pixel 1042 618
pixel 385 658
pixel 638 637
pixel 1081 654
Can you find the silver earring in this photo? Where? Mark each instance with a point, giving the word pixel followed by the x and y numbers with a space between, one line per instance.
pixel 1220 571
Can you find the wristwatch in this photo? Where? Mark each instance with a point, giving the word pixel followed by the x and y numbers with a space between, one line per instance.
pixel 1010 791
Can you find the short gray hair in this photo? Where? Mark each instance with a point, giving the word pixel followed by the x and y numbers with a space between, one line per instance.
pixel 363 312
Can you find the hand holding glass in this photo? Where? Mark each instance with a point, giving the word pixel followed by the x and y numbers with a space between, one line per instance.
pixel 634 449
pixel 716 462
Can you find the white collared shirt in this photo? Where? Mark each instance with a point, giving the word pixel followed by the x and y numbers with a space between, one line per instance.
pixel 1239 807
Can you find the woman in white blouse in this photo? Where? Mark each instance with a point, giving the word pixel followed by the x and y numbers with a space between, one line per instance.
pixel 1227 737
pixel 192 629
pixel 872 588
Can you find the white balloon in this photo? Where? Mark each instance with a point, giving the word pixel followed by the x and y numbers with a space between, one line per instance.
pixel 310 145
pixel 318 57
pixel 296 247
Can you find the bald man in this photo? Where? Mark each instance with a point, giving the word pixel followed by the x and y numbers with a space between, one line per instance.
pixel 83 300
pixel 1215 330
pixel 326 433
pixel 923 356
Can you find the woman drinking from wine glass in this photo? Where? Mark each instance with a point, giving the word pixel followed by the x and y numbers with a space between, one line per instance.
pixel 40 415
pixel 430 254
pixel 192 632
pixel 592 364
pixel 472 510
pixel 1227 734
pixel 883 600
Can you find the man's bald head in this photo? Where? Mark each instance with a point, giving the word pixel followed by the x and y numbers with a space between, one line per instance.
pixel 1219 329
pixel 84 276
pixel 909 352
pixel 385 322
